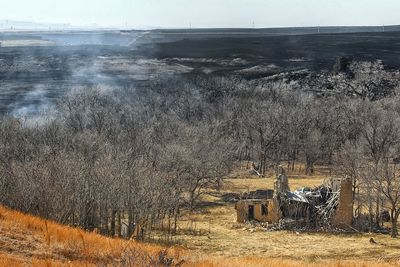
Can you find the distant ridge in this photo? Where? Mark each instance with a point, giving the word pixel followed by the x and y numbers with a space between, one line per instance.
pixel 284 30
pixel 28 25
pixel 13 25
pixel 10 25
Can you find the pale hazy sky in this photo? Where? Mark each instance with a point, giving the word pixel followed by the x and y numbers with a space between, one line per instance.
pixel 204 13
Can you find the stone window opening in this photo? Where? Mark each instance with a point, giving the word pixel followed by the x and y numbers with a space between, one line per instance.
pixel 264 210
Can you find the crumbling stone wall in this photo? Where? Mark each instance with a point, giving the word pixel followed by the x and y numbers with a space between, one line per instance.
pixel 343 217
pixel 241 211
pixel 273 212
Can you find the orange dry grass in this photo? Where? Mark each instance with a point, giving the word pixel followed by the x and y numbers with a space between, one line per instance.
pixel 5 260
pixel 262 262
pixel 30 241
pixel 25 238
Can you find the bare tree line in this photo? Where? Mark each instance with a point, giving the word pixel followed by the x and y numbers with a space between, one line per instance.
pixel 102 159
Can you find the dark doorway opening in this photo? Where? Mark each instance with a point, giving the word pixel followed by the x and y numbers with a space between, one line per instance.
pixel 251 212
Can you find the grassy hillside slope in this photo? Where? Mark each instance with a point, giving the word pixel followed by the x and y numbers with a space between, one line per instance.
pixel 27 240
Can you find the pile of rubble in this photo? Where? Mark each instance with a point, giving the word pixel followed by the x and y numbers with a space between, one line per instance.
pixel 312 207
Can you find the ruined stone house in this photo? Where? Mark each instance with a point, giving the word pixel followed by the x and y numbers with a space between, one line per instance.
pixel 324 205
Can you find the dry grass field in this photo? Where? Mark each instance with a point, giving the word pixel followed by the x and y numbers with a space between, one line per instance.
pixel 26 240
pixel 30 241
pixel 210 237
pixel 215 232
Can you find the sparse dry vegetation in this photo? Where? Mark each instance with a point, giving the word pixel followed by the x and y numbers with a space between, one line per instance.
pixel 214 231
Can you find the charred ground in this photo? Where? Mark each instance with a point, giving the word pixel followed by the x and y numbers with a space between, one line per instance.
pixel 36 68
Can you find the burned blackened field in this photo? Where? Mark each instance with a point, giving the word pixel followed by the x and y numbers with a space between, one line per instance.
pixel 37 68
